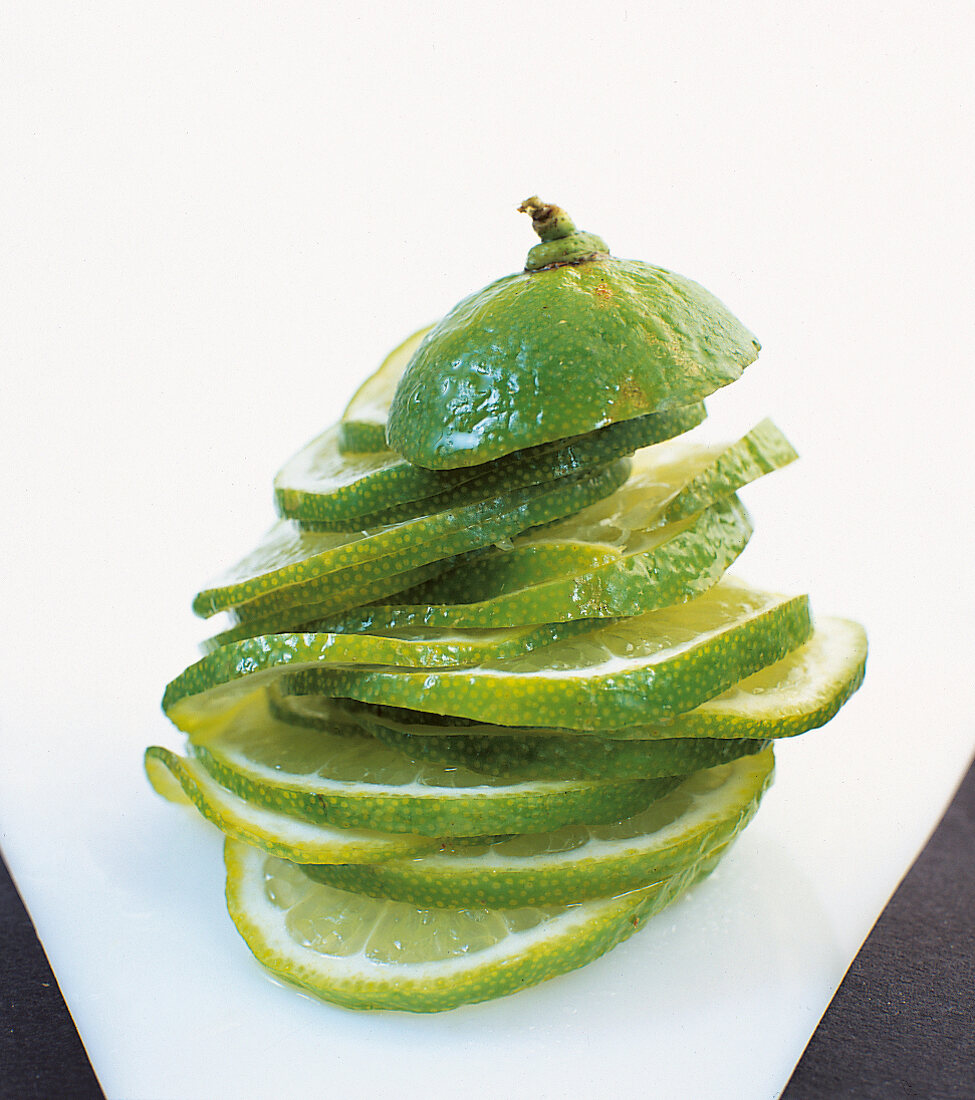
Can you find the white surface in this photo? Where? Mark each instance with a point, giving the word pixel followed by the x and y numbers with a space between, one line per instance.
pixel 218 217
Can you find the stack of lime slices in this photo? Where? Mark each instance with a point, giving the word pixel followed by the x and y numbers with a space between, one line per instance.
pixel 484 698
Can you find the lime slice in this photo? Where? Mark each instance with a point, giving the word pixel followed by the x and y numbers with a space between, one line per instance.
pixel 367 954
pixel 274 831
pixel 663 537
pixel 292 567
pixel 542 756
pixel 625 673
pixel 236 669
pixel 326 489
pixel 299 617
pixel 725 471
pixel 358 782
pixel 561 350
pixel 363 424
pixel 801 692
pixel 573 864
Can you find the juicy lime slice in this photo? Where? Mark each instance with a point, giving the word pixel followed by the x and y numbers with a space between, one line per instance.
pixel 274 831
pixel 294 567
pixel 297 618
pixel 663 537
pixel 234 670
pixel 364 953
pixel 327 490
pixel 322 482
pixel 572 864
pixel 358 782
pixel 363 424
pixel 523 756
pixel 559 351
pixel 625 673
pixel 801 692
pixel 725 471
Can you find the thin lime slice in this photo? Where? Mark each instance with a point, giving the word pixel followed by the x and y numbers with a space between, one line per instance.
pixel 274 831
pixel 358 782
pixel 550 578
pixel 763 450
pixel 625 673
pixel 326 489
pixel 486 749
pixel 363 424
pixel 233 670
pixel 572 864
pixel 292 567
pixel 801 692
pixel 663 537
pixel 298 618
pixel 367 954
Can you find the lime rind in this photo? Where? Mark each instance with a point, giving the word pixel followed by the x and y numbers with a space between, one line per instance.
pixel 555 353
pixel 708 809
pixel 298 618
pixel 761 451
pixel 517 950
pixel 423 809
pixel 801 692
pixel 547 581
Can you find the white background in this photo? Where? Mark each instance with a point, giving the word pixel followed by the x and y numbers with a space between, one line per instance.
pixel 218 217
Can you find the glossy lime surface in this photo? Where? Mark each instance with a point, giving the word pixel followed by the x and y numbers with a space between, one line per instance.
pixel 553 353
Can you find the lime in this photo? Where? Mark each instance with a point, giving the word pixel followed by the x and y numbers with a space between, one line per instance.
pixel 368 954
pixel 628 672
pixel 617 557
pixel 233 670
pixel 363 424
pixel 801 692
pixel 358 782
pixel 574 863
pixel 575 342
pixel 499 750
pixel 294 616
pixel 293 567
pixel 325 489
pixel 274 831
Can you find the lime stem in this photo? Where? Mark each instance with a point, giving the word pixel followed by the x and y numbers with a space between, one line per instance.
pixel 550 222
